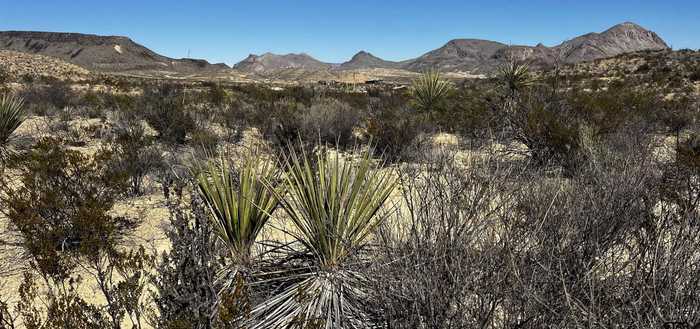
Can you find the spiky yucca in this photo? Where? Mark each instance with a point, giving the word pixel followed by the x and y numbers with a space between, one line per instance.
pixel 239 202
pixel 429 90
pixel 515 76
pixel 11 117
pixel 334 204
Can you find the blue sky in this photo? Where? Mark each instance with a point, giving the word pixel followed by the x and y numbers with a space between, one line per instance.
pixel 227 31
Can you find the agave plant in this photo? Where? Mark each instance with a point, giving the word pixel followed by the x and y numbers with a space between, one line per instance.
pixel 240 205
pixel 334 205
pixel 429 90
pixel 11 117
pixel 515 76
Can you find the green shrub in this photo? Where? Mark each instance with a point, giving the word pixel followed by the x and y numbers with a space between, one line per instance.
pixel 4 76
pixel 695 74
pixel 216 94
pixel 164 110
pixel 62 206
pixel 235 116
pixel 204 139
pixel 136 155
pixel 393 130
pixel 45 100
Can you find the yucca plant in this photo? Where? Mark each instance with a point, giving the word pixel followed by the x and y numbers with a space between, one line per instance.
pixel 334 204
pixel 240 205
pixel 429 89
pixel 515 76
pixel 11 117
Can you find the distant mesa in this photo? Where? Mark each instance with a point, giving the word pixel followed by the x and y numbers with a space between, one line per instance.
pixel 99 53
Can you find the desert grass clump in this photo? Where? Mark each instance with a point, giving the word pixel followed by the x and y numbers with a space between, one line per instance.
pixel 429 90
pixel 11 117
pixel 334 205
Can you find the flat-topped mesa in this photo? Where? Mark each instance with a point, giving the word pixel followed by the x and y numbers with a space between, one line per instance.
pixel 67 37
pixel 98 53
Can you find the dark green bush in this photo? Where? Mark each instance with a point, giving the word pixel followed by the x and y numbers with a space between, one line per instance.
pixel 695 74
pixel 45 100
pixel 135 155
pixel 204 139
pixel 164 109
pixel 393 130
pixel 329 121
pixel 62 206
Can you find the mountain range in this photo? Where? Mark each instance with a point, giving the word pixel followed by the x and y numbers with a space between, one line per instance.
pixel 479 56
pixel 121 54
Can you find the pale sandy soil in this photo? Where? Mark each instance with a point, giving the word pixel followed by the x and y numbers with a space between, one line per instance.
pixel 151 209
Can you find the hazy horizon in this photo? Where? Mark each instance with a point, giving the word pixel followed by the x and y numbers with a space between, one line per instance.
pixel 220 31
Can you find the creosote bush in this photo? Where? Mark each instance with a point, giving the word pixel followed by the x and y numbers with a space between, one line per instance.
pixel 136 155
pixel 59 206
pixel 62 205
pixel 164 109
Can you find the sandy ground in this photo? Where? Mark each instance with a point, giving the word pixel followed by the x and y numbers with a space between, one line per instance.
pixel 150 208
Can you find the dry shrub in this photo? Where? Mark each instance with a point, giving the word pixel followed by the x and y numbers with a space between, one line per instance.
pixel 440 261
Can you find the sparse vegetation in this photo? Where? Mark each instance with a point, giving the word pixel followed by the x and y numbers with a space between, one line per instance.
pixel 562 198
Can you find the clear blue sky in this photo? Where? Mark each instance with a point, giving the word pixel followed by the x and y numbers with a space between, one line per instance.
pixel 227 31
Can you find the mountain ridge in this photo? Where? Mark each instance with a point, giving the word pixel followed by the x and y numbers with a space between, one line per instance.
pixel 99 53
pixel 122 54
pixel 482 56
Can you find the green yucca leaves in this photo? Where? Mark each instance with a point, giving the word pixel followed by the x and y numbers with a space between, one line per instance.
pixel 515 76
pixel 334 204
pixel 429 90
pixel 335 207
pixel 240 203
pixel 11 117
